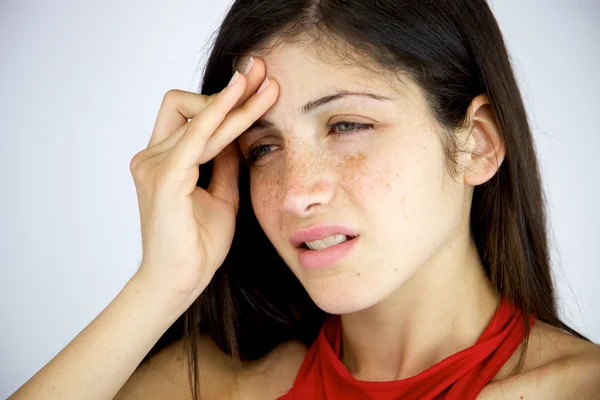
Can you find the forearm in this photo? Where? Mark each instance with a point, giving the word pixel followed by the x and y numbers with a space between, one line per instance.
pixel 100 359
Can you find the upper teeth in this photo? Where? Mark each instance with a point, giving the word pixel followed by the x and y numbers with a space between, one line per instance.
pixel 324 243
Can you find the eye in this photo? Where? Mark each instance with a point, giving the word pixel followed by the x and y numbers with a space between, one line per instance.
pixel 257 152
pixel 358 127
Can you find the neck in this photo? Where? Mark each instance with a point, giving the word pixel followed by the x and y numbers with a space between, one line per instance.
pixel 440 310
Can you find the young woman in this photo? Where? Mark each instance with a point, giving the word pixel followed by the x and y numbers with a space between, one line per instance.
pixel 358 215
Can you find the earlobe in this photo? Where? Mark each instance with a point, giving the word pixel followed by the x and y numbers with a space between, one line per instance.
pixel 486 144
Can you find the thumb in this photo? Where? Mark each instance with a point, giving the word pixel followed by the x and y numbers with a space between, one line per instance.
pixel 224 183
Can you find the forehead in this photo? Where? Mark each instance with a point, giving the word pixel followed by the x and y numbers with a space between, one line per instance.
pixel 307 72
pixel 306 67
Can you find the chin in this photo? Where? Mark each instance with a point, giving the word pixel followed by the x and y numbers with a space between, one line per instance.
pixel 342 298
pixel 343 306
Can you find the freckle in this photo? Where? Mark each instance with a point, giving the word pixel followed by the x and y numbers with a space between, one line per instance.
pixel 355 160
pixel 395 269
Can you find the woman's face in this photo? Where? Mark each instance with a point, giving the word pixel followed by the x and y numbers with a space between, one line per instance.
pixel 388 182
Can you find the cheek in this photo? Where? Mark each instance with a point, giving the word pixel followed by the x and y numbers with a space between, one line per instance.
pixel 265 195
pixel 368 174
pixel 399 182
pixel 386 169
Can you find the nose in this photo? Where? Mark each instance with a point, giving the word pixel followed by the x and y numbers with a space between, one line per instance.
pixel 309 188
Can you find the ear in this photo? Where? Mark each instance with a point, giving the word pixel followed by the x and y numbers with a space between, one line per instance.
pixel 485 143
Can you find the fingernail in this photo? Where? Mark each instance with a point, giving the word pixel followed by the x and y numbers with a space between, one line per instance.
pixel 234 78
pixel 249 65
pixel 263 86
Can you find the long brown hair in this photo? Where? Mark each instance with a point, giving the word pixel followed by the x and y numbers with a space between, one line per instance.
pixel 453 50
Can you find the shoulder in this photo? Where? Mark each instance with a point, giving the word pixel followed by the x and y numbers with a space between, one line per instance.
pixel 557 366
pixel 166 374
pixel 273 375
pixel 154 379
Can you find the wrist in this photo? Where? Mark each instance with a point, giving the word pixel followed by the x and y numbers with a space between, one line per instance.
pixel 169 302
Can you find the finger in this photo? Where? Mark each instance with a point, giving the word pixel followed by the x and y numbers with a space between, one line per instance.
pixel 184 155
pixel 189 150
pixel 166 144
pixel 177 107
pixel 224 182
pixel 239 120
pixel 254 78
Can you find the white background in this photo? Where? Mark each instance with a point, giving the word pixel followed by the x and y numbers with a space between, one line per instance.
pixel 80 86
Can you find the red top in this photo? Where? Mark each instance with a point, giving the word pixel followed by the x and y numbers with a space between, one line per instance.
pixel 461 376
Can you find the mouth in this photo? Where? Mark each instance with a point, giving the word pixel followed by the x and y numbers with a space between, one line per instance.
pixel 316 247
pixel 322 236
pixel 329 256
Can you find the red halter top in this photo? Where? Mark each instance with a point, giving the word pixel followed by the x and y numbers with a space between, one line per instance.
pixel 461 376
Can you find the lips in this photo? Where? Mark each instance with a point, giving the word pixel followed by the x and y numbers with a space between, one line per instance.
pixel 317 232
pixel 330 257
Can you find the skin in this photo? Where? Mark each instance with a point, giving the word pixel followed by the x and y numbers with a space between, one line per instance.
pixel 419 292
pixel 415 276
pixel 391 185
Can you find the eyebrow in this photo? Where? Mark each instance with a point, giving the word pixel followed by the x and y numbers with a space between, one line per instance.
pixel 314 104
